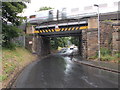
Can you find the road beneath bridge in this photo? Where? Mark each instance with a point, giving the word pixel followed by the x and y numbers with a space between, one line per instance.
pixel 56 71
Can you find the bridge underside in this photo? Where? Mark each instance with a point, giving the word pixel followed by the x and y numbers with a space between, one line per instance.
pixel 62 34
pixel 42 44
pixel 62 31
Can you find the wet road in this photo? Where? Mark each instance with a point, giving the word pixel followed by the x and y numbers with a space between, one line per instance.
pixel 60 72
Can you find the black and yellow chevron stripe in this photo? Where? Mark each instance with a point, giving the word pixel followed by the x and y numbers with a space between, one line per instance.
pixel 61 29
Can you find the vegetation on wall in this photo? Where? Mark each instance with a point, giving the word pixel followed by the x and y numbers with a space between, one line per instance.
pixel 106 55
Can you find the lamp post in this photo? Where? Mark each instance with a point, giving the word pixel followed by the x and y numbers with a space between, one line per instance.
pixel 98 32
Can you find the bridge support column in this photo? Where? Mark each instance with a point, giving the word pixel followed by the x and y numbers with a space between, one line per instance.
pixel 84 44
pixel 80 45
pixel 43 46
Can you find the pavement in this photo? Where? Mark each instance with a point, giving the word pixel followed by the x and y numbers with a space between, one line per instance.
pixel 109 66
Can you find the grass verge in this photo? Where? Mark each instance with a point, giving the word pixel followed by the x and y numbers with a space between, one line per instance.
pixel 107 56
pixel 13 61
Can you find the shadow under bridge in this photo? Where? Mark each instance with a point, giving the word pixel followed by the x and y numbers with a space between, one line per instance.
pixel 44 33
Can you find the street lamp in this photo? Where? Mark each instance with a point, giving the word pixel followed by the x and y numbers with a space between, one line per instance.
pixel 98 32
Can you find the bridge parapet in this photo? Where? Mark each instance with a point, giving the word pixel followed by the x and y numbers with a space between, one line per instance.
pixel 92 23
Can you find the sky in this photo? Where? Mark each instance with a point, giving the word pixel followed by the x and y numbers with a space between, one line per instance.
pixel 36 4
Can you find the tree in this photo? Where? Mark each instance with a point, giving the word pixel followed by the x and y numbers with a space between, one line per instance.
pixel 45 8
pixel 75 40
pixel 58 42
pixel 10 12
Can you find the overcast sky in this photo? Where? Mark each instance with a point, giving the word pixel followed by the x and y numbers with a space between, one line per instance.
pixel 36 4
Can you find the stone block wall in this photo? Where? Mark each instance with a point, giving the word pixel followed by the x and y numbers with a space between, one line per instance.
pixel 89 42
pixel 116 39
pixel 92 42
pixel 84 44
pixel 27 45
pixel 109 38
pixel 106 35
pixel 30 29
pixel 92 23
pixel 40 45
pixel 44 46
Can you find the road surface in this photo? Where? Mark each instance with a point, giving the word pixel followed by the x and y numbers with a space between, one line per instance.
pixel 56 71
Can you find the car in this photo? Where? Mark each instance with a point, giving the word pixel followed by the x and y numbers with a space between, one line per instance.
pixel 66 52
pixel 75 51
pixel 69 51
pixel 62 51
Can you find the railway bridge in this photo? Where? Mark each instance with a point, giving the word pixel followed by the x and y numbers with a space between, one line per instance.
pixel 82 26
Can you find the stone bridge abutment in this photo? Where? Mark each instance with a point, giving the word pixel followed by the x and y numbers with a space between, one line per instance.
pixel 88 40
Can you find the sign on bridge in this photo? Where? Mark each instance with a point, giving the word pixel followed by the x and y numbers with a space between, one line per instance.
pixel 61 29
pixel 57 29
